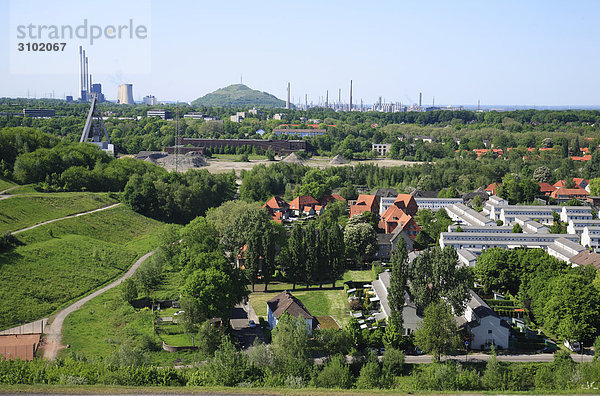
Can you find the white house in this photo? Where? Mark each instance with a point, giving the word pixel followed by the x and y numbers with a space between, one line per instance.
pixel 484 325
pixel 284 302
pixel 410 315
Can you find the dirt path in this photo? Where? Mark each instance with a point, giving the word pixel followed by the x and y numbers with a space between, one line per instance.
pixel 66 217
pixel 8 189
pixel 53 333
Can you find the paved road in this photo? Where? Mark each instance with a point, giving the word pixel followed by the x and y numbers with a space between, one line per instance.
pixel 64 218
pixel 482 357
pixel 53 333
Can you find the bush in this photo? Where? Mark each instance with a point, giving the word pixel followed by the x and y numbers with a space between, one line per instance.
pixel 393 361
pixel 335 374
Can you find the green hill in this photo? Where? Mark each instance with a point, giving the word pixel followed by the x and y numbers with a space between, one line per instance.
pixel 238 95
pixel 64 260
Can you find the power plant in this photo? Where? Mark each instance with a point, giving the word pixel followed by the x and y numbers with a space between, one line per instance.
pixel 125 94
pixel 86 87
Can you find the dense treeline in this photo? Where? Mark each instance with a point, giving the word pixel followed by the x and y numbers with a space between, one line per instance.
pixel 348 133
pixel 283 366
pixel 465 175
pixel 178 197
pixel 563 300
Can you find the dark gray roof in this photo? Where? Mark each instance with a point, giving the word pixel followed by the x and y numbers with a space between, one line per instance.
pixel 386 192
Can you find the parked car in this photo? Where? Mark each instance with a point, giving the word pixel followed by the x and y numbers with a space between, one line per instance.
pixel 574 346
pixel 252 324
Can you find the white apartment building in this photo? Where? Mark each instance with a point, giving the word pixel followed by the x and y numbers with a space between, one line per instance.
pixel 462 214
pixel 382 149
pixel 435 204
pixel 590 237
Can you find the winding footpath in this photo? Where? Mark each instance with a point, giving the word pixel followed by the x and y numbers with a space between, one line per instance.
pixel 53 331
pixel 64 218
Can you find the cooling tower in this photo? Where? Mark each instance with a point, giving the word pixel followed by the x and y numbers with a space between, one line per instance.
pixel 125 94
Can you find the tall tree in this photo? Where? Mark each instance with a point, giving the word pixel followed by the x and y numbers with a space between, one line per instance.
pixel 437 333
pixel 398 279
pixel 360 240
pixel 296 256
pixel 435 274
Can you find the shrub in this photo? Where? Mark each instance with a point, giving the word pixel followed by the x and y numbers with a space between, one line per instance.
pixel 335 374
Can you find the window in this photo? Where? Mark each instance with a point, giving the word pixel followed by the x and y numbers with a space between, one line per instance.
pixel 489 331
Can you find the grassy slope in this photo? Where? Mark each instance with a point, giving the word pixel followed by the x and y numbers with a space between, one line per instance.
pixel 98 328
pixel 23 211
pixel 64 260
pixel 4 184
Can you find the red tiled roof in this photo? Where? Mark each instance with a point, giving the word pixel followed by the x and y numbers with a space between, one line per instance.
pixel 302 201
pixel 492 187
pixel 582 158
pixel 276 203
pixel 546 187
pixel 571 192
pixel 286 302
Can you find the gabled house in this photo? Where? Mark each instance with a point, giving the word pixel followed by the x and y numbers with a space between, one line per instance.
pixel 364 203
pixel 330 198
pixel 492 189
pixel 483 324
pixel 298 204
pixel 277 208
pixel 394 217
pixel 411 316
pixel 285 302
pixel 407 203
pixel 546 188
pixel 563 194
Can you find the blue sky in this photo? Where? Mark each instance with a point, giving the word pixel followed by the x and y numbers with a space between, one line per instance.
pixel 501 52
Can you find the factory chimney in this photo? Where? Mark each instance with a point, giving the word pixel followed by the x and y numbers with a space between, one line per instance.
pixel 340 97
pixel 327 99
pixel 287 103
pixel 81 83
pixel 350 107
pixel 420 98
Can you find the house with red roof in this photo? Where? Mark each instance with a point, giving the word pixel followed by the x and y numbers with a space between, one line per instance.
pixel 277 208
pixel 563 194
pixel 578 181
pixel 546 188
pixel 327 198
pixel 582 158
pixel 394 218
pixel 299 204
pixel 492 189
pixel 364 203
pixel 407 203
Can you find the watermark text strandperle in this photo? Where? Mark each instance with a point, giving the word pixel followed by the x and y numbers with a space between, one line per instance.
pixel 83 31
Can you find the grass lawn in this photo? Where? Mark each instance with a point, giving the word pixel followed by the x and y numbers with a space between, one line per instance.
pixel 4 184
pixel 107 321
pixel 23 211
pixel 319 302
pixel 62 261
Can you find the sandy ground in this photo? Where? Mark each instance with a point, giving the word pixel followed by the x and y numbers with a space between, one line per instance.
pixel 224 166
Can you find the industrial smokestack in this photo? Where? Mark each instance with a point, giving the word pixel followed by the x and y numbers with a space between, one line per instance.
pixel 433 102
pixel 350 107
pixel 287 103
pixel 84 73
pixel 91 83
pixel 327 99
pixel 81 72
pixel 306 101
pixel 420 98
pixel 340 96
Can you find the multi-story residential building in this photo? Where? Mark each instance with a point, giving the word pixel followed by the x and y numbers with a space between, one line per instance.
pixel 590 237
pixel 382 149
pixel 462 214
pixel 435 204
